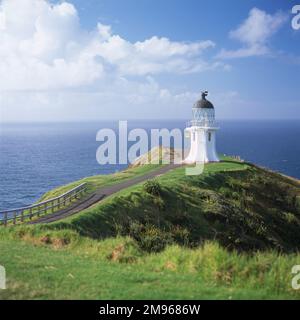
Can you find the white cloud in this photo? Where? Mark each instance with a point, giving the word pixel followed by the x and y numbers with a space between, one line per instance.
pixel 254 33
pixel 118 98
pixel 128 100
pixel 40 47
pixel 43 47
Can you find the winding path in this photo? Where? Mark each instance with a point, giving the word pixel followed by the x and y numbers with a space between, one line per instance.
pixel 100 194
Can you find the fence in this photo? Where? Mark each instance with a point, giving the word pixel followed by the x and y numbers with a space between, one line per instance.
pixel 44 207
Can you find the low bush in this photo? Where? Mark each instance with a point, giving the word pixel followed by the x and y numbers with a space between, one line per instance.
pixel 152 187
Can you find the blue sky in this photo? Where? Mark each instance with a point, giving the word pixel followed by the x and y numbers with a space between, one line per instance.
pixel 86 60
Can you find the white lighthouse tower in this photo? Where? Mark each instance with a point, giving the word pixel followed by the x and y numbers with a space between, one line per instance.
pixel 202 132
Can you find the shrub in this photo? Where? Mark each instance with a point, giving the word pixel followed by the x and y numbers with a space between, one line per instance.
pixel 149 237
pixel 181 235
pixel 159 203
pixel 154 240
pixel 152 187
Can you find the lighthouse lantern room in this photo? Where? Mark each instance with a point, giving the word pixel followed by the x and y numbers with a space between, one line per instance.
pixel 202 132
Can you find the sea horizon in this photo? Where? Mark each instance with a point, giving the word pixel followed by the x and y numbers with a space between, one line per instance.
pixel 37 157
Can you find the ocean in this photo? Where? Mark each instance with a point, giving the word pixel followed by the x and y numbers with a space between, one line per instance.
pixel 37 157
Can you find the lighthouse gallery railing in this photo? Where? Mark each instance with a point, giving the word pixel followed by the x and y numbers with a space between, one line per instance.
pixel 202 123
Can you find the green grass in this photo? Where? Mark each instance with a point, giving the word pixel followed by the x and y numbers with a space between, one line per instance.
pixel 93 183
pixel 243 207
pixel 88 271
pixel 231 233
pixel 98 181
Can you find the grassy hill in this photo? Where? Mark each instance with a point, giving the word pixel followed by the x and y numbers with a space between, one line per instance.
pixel 231 233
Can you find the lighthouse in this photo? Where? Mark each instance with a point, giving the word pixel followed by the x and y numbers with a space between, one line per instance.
pixel 202 132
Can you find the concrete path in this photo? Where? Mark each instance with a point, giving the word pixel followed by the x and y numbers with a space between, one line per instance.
pixel 100 194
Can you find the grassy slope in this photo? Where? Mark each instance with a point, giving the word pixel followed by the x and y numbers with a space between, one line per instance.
pixel 99 181
pixel 238 206
pixel 43 273
pixel 243 207
pixel 96 182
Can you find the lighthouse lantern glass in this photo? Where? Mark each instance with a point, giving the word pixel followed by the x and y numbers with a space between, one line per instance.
pixel 203 117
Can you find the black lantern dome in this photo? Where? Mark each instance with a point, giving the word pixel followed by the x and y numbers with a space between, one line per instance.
pixel 203 103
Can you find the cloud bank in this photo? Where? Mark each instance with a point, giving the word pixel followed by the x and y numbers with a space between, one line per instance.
pixel 43 47
pixel 254 33
pixel 52 68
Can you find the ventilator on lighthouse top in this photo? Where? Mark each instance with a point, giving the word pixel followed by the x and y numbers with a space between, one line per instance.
pixel 202 132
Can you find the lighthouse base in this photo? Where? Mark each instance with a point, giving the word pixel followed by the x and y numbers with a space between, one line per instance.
pixel 203 145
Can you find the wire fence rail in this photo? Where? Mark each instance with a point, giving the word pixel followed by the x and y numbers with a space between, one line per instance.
pixel 48 206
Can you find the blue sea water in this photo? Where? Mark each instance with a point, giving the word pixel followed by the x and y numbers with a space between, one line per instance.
pixel 35 158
